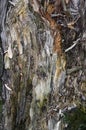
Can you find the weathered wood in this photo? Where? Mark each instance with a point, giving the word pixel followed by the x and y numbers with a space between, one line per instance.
pixel 37 82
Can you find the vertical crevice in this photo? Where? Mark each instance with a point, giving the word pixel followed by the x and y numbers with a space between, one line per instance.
pixel 3 10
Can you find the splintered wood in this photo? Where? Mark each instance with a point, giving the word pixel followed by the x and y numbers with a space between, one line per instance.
pixel 57 43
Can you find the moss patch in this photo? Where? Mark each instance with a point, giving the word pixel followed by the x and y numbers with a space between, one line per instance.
pixel 75 119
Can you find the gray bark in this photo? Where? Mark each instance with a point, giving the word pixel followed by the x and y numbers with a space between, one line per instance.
pixel 36 84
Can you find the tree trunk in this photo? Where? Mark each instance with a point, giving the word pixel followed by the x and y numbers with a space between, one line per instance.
pixel 36 81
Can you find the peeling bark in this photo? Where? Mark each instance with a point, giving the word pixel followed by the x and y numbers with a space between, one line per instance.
pixel 36 83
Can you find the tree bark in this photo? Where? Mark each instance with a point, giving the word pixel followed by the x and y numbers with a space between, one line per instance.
pixel 36 81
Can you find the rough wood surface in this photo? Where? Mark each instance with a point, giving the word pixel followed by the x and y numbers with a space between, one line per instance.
pixel 40 81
